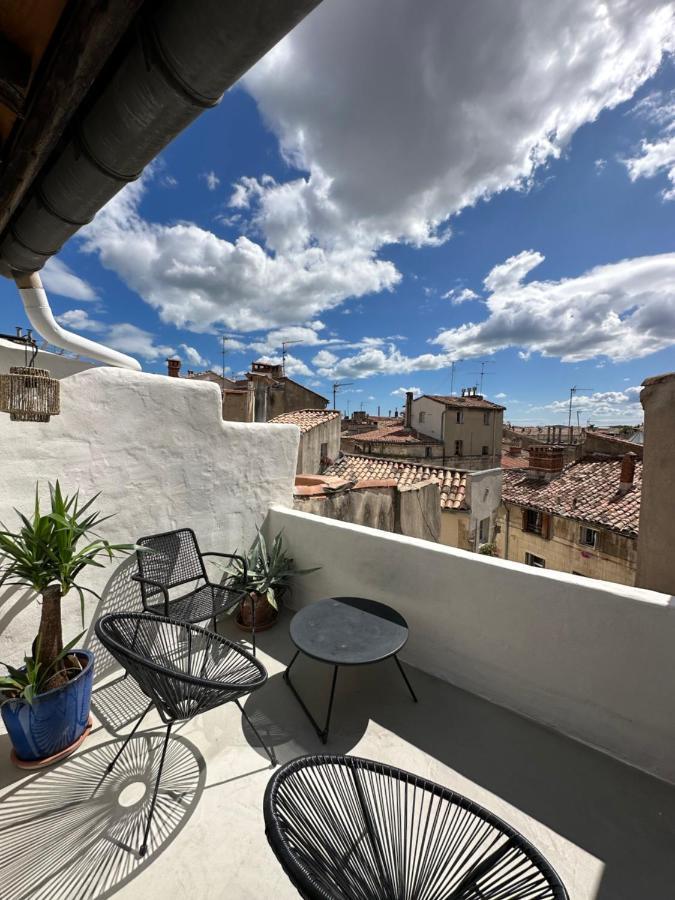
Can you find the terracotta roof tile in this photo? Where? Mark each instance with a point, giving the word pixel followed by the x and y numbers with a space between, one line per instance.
pixel 359 468
pixel 464 402
pixel 395 433
pixel 587 491
pixel 306 419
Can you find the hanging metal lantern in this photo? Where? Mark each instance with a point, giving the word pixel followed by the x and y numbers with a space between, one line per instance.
pixel 29 394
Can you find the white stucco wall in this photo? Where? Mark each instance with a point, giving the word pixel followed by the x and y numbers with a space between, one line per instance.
pixel 592 659
pixel 162 457
pixel 484 498
pixel 59 366
pixel 433 413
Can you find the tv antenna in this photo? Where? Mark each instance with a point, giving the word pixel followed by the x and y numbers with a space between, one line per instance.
pixel 285 344
pixel 573 392
pixel 336 387
pixel 452 376
pixel 483 373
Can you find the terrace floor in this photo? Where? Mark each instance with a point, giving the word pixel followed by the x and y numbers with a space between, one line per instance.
pixel 609 830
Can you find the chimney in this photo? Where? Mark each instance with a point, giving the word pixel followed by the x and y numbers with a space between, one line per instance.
pixel 627 472
pixel 173 366
pixel 546 462
pixel 408 409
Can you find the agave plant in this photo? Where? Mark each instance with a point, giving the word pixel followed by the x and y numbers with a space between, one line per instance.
pixel 266 571
pixel 44 554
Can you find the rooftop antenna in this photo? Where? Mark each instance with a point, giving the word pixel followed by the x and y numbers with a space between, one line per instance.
pixel 285 344
pixel 336 387
pixel 573 391
pixel 483 373
pixel 452 377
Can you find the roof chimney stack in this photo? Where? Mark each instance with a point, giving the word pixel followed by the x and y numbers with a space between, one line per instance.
pixel 408 409
pixel 173 366
pixel 627 472
pixel 546 462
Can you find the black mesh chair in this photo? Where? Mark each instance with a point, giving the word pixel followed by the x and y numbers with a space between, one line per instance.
pixel 184 670
pixel 173 559
pixel 345 828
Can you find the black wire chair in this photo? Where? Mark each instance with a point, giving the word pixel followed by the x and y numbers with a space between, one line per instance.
pixel 172 559
pixel 183 669
pixel 345 828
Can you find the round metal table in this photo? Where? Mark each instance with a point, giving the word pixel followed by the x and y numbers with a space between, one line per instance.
pixel 346 631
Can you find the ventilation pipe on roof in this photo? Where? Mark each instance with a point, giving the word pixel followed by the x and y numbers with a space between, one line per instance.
pixel 42 319
pixel 179 61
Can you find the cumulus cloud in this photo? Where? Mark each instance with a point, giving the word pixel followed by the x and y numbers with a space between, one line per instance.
pixel 656 156
pixel 193 356
pixel 293 365
pixel 388 146
pixel 211 179
pixel 58 278
pixel 197 280
pixel 79 320
pixel 622 310
pixel 460 295
pixel 373 360
pixel 121 335
pixel 402 391
pixel 604 406
pixel 394 143
pixel 500 396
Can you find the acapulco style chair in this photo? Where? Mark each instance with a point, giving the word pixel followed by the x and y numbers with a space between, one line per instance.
pixel 183 669
pixel 346 828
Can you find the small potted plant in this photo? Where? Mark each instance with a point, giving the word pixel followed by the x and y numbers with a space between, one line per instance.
pixel 266 579
pixel 45 702
pixel 489 549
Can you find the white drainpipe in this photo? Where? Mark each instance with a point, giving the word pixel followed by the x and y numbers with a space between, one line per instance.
pixel 39 313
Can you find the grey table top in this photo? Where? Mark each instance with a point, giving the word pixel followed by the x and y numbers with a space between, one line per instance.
pixel 348 631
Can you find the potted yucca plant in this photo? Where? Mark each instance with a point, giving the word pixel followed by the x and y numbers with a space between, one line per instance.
pixel 45 702
pixel 265 580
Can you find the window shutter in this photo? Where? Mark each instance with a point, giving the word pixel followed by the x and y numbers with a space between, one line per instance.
pixel 524 525
pixel 546 526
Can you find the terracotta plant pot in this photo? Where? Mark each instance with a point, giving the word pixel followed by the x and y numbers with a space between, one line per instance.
pixel 265 613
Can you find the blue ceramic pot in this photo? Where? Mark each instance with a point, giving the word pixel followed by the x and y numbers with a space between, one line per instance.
pixel 55 719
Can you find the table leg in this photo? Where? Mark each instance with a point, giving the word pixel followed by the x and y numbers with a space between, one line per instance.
pixel 405 678
pixel 322 733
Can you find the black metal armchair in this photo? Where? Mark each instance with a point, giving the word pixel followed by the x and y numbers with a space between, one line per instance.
pixel 172 559
pixel 345 828
pixel 184 670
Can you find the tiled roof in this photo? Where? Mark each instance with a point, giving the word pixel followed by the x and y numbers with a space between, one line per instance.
pixel 464 402
pixel 514 462
pixel 587 491
pixel 360 468
pixel 306 419
pixel 392 434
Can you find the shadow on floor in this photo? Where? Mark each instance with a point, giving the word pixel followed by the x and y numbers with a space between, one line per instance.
pixel 620 816
pixel 65 832
pixel 118 703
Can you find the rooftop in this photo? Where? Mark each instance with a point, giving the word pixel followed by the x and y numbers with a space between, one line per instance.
pixel 468 402
pixel 366 468
pixel 306 419
pixel 394 433
pixel 587 491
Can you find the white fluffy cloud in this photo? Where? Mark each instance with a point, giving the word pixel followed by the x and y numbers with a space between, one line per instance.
pixel 377 361
pixel 79 320
pixel 402 391
pixel 404 113
pixel 198 280
pixel 603 406
pixel 59 279
pixel 460 295
pixel 656 156
pixel 193 356
pixel 211 179
pixel 623 310
pixel 400 114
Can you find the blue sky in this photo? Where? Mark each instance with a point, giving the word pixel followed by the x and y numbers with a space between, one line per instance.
pixel 502 194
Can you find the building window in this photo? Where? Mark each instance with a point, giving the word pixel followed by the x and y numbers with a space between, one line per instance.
pixel 460 416
pixel 458 447
pixel 427 451
pixel 422 416
pixel 324 453
pixel 533 521
pixel 486 418
pixel 589 537
pixel 536 561
pixel 484 531
pixel 486 450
